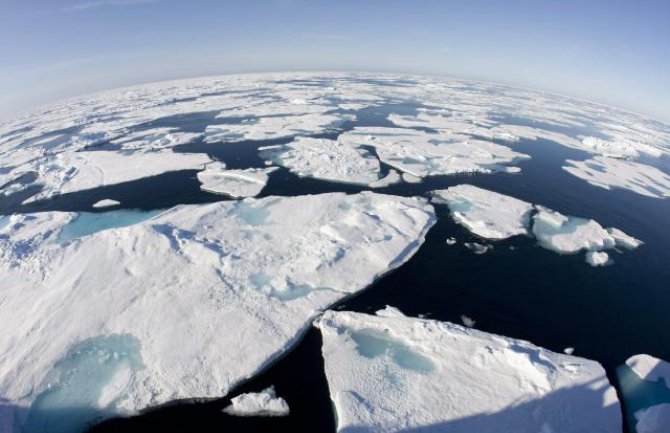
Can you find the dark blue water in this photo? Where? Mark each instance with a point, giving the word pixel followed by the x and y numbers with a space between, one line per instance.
pixel 517 289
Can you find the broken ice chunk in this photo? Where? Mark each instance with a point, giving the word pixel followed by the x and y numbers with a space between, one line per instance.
pixel 597 258
pixel 106 203
pixel 264 403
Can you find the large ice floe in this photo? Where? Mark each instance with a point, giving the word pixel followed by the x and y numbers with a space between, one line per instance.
pixel 391 373
pixel 422 154
pixel 611 173
pixel 645 388
pixel 183 305
pixel 234 183
pixel 77 171
pixel 495 216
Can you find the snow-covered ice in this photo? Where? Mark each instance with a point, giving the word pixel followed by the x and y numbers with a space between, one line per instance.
pixel 609 173
pixel 264 403
pixel 422 154
pixel 393 373
pixel 77 171
pixel 644 381
pixel 496 216
pixel 597 258
pixel 326 159
pixel 234 183
pixel 486 213
pixel 106 202
pixel 184 305
pixel 654 419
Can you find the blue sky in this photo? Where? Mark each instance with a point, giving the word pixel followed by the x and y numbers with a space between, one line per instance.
pixel 616 52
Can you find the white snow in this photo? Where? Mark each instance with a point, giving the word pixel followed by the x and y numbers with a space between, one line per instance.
pixel 609 173
pixel 157 138
pixel 422 154
pixel 397 373
pixel 650 368
pixel 107 202
pixel 326 159
pixel 495 216
pixel 264 403
pixel 568 234
pixel 655 419
pixel 184 305
pixel 486 213
pixel 77 171
pixel 234 183
pixel 597 258
pixel 451 241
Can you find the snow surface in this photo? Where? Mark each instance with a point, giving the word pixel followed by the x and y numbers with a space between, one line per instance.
pixel 495 216
pixel 486 213
pixel 264 403
pixel 650 368
pixel 107 202
pixel 655 419
pixel 100 323
pixel 234 183
pixel 422 154
pixel 326 159
pixel 611 173
pixel 77 171
pixel 597 258
pixel 393 373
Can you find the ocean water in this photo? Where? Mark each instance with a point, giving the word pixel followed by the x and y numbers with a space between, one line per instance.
pixel 516 289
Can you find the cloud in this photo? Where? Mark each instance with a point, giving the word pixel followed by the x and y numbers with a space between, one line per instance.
pixel 106 3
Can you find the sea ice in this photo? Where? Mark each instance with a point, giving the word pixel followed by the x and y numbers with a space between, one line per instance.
pixel 394 373
pixel 568 234
pixel 422 154
pixel 597 258
pixel 486 213
pixel 107 202
pixel 202 296
pixel 644 382
pixel 326 159
pixel 76 171
pixel 609 173
pixel 234 183
pixel 264 403
pixel 477 248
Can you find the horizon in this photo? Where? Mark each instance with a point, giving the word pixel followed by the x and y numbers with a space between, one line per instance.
pixel 610 53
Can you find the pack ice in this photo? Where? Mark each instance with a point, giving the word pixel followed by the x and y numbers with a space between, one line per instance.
pixel 184 305
pixel 496 216
pixel 644 381
pixel 391 373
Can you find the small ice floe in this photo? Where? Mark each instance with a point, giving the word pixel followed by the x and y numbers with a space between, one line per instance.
pixel 105 203
pixel 264 403
pixel 597 258
pixel 569 350
pixel 234 183
pixel 451 241
pixel 468 321
pixel 393 373
pixel 477 248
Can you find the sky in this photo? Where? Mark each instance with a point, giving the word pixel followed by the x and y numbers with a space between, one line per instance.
pixel 615 52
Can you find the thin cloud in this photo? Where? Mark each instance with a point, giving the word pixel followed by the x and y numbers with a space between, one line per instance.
pixel 106 3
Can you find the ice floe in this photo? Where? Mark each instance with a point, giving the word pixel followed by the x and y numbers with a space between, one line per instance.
pixel 422 154
pixel 486 213
pixel 393 373
pixel 644 382
pixel 234 183
pixel 69 172
pixel 495 216
pixel 477 248
pixel 327 159
pixel 184 305
pixel 106 202
pixel 609 173
pixel 264 403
